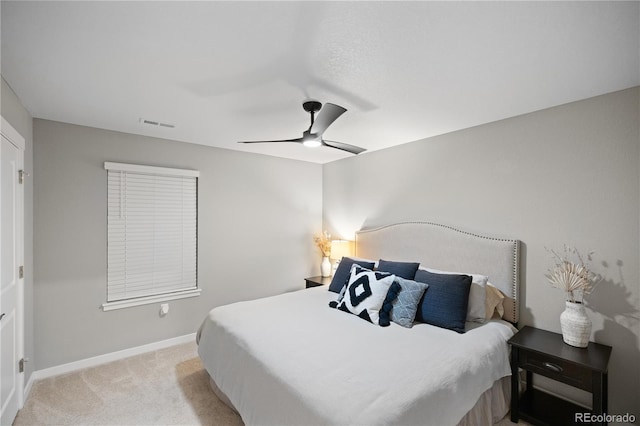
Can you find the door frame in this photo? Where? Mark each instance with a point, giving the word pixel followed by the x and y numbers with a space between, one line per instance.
pixel 16 139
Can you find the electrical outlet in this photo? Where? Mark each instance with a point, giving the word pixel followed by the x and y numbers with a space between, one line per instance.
pixel 164 309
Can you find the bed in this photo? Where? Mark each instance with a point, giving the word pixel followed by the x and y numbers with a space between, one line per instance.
pixel 291 359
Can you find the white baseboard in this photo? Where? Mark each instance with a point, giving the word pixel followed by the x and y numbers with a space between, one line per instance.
pixel 103 359
pixel 29 385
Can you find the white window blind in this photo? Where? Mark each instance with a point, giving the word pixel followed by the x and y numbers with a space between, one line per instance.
pixel 152 233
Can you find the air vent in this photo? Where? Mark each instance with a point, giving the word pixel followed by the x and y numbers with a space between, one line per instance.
pixel 156 123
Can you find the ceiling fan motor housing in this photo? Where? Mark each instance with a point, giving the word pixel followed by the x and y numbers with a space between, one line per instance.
pixel 311 106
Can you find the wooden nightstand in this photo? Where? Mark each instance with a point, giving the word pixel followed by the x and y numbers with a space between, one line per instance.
pixel 543 352
pixel 317 281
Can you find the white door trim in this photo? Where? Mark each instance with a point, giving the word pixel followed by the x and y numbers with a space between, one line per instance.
pixel 12 134
pixel 17 140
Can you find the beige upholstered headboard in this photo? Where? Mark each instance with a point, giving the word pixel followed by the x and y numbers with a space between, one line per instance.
pixel 446 248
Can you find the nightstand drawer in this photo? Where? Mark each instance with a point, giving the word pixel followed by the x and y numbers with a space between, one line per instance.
pixel 557 369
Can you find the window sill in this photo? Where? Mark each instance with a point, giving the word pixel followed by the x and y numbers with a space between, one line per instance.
pixel 121 304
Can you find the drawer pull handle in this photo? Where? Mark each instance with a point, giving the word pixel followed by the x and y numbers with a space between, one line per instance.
pixel 553 367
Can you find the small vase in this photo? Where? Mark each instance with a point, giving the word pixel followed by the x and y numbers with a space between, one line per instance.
pixel 575 325
pixel 325 267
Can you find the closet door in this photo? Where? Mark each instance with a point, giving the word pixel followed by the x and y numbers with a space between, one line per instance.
pixel 11 278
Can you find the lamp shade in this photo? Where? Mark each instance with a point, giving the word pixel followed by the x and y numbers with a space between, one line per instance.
pixel 341 248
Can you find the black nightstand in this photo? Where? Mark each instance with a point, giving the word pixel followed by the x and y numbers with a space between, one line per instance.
pixel 317 281
pixel 543 352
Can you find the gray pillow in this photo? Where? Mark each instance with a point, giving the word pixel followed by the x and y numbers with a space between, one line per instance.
pixel 406 304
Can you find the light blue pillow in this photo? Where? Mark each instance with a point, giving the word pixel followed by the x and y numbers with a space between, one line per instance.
pixel 406 304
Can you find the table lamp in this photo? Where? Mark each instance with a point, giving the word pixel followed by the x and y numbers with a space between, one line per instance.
pixel 340 249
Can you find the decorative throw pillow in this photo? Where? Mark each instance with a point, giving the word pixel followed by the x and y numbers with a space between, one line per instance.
pixel 476 311
pixel 406 304
pixel 494 307
pixel 341 276
pixel 406 270
pixel 340 296
pixel 445 302
pixel 369 295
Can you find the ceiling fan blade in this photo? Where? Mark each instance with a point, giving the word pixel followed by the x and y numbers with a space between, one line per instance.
pixel 299 140
pixel 344 146
pixel 327 115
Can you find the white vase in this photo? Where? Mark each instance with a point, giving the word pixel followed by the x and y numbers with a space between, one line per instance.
pixel 576 325
pixel 325 267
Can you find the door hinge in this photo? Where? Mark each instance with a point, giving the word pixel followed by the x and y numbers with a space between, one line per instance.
pixel 21 175
pixel 21 366
pixel 21 272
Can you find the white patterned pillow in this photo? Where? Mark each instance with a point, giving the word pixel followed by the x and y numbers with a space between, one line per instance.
pixel 367 295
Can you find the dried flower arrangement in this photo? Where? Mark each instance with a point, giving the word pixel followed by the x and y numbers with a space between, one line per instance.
pixel 572 274
pixel 323 241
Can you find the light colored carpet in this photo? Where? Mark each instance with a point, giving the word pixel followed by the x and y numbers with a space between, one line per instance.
pixel 165 387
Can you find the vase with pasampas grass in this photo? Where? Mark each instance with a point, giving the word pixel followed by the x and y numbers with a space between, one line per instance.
pixel 323 241
pixel 576 279
pixel 325 267
pixel 575 325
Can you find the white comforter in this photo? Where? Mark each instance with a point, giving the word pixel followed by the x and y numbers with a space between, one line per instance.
pixel 291 359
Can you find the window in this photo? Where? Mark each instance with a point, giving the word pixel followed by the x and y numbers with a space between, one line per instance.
pixel 152 234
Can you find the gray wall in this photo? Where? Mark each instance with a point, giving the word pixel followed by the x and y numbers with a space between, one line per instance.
pixel 565 175
pixel 14 112
pixel 257 216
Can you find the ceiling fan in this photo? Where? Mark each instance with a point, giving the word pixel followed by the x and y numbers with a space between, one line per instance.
pixel 312 137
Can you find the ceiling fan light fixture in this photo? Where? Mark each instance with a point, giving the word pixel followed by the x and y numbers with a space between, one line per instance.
pixel 312 137
pixel 311 143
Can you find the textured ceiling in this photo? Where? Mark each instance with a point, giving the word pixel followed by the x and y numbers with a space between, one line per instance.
pixel 228 71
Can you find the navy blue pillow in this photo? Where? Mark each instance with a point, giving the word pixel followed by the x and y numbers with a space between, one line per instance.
pixel 341 276
pixel 445 302
pixel 406 270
